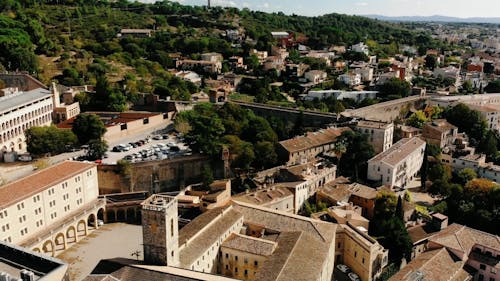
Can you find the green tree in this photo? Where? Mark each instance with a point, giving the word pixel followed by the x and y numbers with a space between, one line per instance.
pixel 465 175
pixel 88 127
pixel 417 119
pixel 49 139
pixel 424 169
pixel 265 155
pixel 358 152
pixel 207 175
pixel 431 62
pixel 395 87
pixel 493 87
pixel 97 149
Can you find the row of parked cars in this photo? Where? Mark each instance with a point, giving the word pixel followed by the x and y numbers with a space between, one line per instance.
pixel 130 145
pixel 158 151
pixel 345 269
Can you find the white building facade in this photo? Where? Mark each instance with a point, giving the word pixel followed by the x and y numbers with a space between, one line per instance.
pixel 398 165
pixel 21 111
pixel 34 210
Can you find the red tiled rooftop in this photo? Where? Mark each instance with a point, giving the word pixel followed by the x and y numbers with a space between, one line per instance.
pixel 112 118
pixel 19 190
pixel 312 139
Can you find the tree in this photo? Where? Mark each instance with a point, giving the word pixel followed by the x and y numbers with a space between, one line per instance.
pixel 399 213
pixel 207 175
pixel 395 87
pixel 424 169
pixel 88 127
pixel 493 87
pixel 97 149
pixel 49 139
pixel 358 152
pixel 417 119
pixel 431 62
pixel 465 175
pixel 265 155
pixel 339 148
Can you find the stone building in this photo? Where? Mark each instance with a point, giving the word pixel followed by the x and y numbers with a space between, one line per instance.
pixel 302 149
pixel 240 240
pixel 380 134
pixel 440 133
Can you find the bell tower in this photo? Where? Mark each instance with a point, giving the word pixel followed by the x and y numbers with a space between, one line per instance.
pixel 160 230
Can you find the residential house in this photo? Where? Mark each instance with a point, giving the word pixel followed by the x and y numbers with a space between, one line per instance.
pixel 398 165
pixel 203 65
pixel 315 76
pixel 351 79
pixel 366 73
pixel 360 48
pixel 440 133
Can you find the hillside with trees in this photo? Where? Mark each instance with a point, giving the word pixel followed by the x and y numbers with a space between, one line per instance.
pixel 76 42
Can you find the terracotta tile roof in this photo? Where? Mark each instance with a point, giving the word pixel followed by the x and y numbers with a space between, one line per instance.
pixel 398 151
pixel 281 221
pixel 312 139
pixel 256 246
pixel 192 228
pixel 363 191
pixel 420 232
pixel 335 192
pixel 208 234
pixel 293 260
pixel 440 125
pixel 373 124
pixel 112 118
pixel 19 190
pixel 265 196
pixel 435 265
pixel 463 238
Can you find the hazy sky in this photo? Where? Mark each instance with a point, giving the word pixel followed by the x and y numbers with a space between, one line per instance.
pixel 454 8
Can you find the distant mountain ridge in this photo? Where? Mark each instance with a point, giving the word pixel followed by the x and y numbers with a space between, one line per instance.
pixel 436 18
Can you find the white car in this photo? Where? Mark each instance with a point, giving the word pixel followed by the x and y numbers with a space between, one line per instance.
pixel 353 276
pixel 342 267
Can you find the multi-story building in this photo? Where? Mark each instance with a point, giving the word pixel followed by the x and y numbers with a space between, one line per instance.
pixel 63 111
pixel 52 208
pixel 315 76
pixel 214 57
pixel 20 111
pixel 398 165
pixel 478 163
pixel 490 115
pixel 302 149
pixel 380 134
pixel 241 241
pixel 360 48
pixel 360 252
pixel 440 133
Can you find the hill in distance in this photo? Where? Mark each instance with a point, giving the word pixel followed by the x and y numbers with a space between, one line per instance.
pixel 436 18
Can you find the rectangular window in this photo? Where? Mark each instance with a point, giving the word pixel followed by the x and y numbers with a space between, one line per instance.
pixel 256 263
pixel 482 266
pixel 172 227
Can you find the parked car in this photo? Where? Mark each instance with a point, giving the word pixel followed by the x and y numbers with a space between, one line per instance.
pixel 165 137
pixel 342 267
pixel 157 137
pixel 353 276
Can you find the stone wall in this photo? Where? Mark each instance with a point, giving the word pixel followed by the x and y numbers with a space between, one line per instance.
pixel 153 176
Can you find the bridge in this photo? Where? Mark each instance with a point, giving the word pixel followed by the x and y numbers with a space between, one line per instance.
pixel 310 118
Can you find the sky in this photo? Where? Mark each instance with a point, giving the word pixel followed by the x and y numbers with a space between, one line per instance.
pixel 452 8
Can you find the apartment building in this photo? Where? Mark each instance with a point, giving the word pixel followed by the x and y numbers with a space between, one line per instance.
pixel 196 65
pixel 380 134
pixel 398 165
pixel 51 209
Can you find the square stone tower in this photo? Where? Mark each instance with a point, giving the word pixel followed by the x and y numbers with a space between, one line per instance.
pixel 160 230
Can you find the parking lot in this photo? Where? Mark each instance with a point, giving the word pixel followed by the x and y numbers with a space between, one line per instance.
pixel 154 147
pixel 345 274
